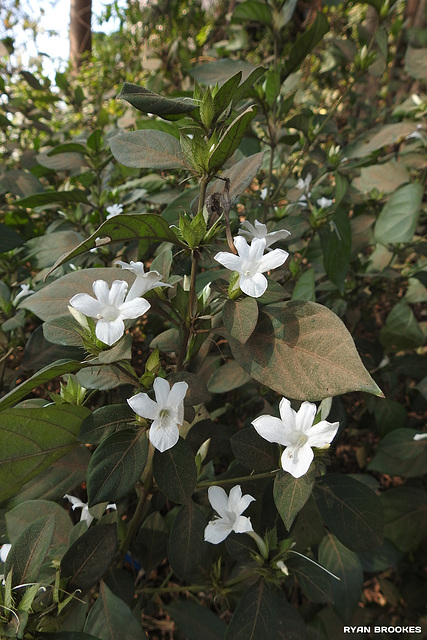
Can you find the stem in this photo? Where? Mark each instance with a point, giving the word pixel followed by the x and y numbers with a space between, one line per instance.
pixel 258 476
pixel 260 543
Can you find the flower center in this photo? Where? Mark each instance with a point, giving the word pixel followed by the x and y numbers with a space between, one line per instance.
pixel 298 439
pixel 109 313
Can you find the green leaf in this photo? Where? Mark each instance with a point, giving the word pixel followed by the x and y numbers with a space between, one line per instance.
pixel 104 377
pixel 405 515
pixel 346 565
pixel 305 287
pixel 225 94
pixel 110 618
pixel 32 439
pixel 58 368
pixel 89 557
pixel 45 250
pixel 240 318
pixel 385 178
pixel 305 43
pixel 105 421
pixel 253 11
pixel 73 196
pixel 335 240
pixel 20 183
pixel 254 452
pixel 175 472
pixel 219 71
pixel 150 102
pixel 231 139
pixel 147 149
pixel 399 216
pixel 389 415
pixel 9 239
pixel 401 330
pixel 246 87
pixel 384 136
pixel 186 540
pixel 291 494
pixel 415 63
pixel 63 330
pixel 399 454
pixel 256 616
pixel 69 635
pixel 116 466
pixel 229 376
pixel 29 550
pixel 272 86
pixel 123 228
pixel 196 621
pixel 315 583
pixel 150 545
pixel 303 351
pixel 62 161
pixel 351 510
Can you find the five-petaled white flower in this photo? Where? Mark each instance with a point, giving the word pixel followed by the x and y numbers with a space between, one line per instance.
pixel 324 203
pixel 109 309
pixel 114 210
pixel 259 230
pixel 144 281
pixel 251 264
pixel 25 291
pixel 230 509
pixel 85 515
pixel 295 431
pixel 166 412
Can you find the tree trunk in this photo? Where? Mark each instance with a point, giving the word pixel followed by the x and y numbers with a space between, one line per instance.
pixel 80 30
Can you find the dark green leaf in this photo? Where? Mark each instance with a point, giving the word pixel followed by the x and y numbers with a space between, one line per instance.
pixel 335 240
pixel 69 635
pixel 315 583
pixel 89 557
pixel 346 565
pixel 150 545
pixel 32 439
pixel 398 218
pixel 54 370
pixel 9 239
pixel 225 93
pixel 29 550
pixel 104 377
pixel 254 452
pixel 110 618
pixel 105 421
pixel 123 228
pixel 45 250
pixel 150 102
pixel 305 287
pixel 175 472
pixel 63 330
pixel 401 330
pixel 256 616
pixel 405 515
pixel 116 466
pixel 219 71
pixel 231 139
pixel 303 351
pixel 246 87
pixel 253 11
pixel 229 376
pixel 240 318
pixel 351 510
pixel 20 183
pixel 186 540
pixel 291 623
pixel 399 454
pixel 389 415
pixel 305 43
pixel 147 149
pixel 62 161
pixel 73 196
pixel 291 494
pixel 383 136
pixel 195 621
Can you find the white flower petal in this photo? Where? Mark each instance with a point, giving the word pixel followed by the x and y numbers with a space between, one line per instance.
pixel 102 292
pixel 242 525
pixel 420 436
pixel 271 429
pixel 234 498
pixel 287 414
pixel 217 531
pixel 163 438
pixel 272 260
pixel 162 390
pixel 297 460
pixel 134 308
pixel 322 433
pixel 242 247
pixel 76 502
pixel 275 236
pixel 87 305
pixel 219 500
pixel 4 551
pixel 305 416
pixel 109 331
pixel 177 394
pixel 244 502
pixel 144 406
pixel 228 260
pixel 117 293
pixel 254 286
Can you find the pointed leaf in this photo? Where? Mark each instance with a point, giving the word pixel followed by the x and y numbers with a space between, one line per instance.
pixel 240 318
pixel 315 583
pixel 305 43
pixel 405 515
pixel 383 136
pixel 195 621
pixel 256 616
pixel 150 102
pixel 229 376
pixel 335 240
pixel 150 545
pixel 9 239
pixel 105 421
pixel 116 466
pixel 254 452
pixel 89 557
pixel 291 494
pixel 29 550
pixel 231 139
pixel 398 218
pixel 186 540
pixel 346 565
pixel 399 454
pixel 303 351
pixel 110 618
pixel 351 510
pixel 253 11
pixel 48 197
pixel 147 149
pixel 175 472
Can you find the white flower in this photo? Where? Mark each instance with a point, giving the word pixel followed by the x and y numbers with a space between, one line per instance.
pixel 304 185
pixel 230 509
pixel 251 264
pixel 25 291
pixel 85 515
pixel 4 551
pixel 420 436
pixel 295 431
pixel 283 568
pixel 324 203
pixel 114 210
pixel 109 308
pixel 260 231
pixel 166 412
pixel 144 281
pixel 263 193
